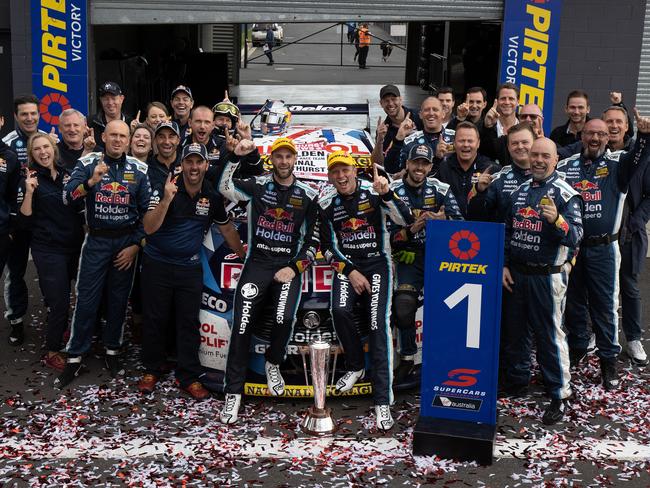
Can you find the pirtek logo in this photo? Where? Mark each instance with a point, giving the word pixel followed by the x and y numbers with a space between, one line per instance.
pixel 461 377
pixel 464 245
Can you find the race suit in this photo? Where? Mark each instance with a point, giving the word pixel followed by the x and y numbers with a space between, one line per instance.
pixel 9 179
pixel 355 237
pixel 395 160
pixel 408 252
pixel 281 224
pixel 537 253
pixel 249 165
pixel 114 210
pixel 594 285
pixel 492 204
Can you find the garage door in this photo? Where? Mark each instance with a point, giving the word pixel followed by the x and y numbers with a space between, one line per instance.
pixel 217 11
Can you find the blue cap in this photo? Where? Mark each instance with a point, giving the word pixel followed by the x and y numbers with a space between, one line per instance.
pixel 195 148
pixel 420 151
pixel 173 126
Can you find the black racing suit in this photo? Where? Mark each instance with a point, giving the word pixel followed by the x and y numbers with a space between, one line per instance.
pixel 395 159
pixel 537 254
pixel 408 252
pixel 492 204
pixel 281 229
pixel 355 237
pixel 594 285
pixel 9 179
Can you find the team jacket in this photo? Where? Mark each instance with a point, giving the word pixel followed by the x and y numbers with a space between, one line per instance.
pixel 119 200
pixel 492 204
pixel 395 159
pixel 354 226
pixel 98 125
pixel 461 181
pixel 55 226
pixel 17 142
pixel 158 172
pixel 530 239
pixel 179 238
pixel 250 164
pixel 603 183
pixel 9 180
pixel 281 219
pixel 389 138
pixel 427 197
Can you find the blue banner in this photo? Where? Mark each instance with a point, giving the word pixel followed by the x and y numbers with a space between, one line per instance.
pixel 59 57
pixel 531 34
pixel 462 314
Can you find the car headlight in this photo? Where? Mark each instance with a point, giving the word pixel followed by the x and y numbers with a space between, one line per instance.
pixel 311 320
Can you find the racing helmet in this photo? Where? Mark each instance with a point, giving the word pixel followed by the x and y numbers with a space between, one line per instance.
pixel 227 109
pixel 274 117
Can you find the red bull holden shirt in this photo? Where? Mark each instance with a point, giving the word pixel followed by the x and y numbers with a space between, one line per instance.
pixel 119 200
pixel 281 219
pixel 354 226
pixel 530 238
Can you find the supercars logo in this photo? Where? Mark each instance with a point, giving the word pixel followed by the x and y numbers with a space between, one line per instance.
pixel 278 214
pixel 462 377
pixel 464 244
pixel 353 224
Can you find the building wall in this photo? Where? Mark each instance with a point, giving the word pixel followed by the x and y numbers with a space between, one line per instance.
pixel 599 51
pixel 21 46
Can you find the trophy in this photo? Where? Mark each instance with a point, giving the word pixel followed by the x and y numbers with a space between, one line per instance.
pixel 318 420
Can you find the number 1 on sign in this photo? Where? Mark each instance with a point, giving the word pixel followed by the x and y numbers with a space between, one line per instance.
pixel 473 293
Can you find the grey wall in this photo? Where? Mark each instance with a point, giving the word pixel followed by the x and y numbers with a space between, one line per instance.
pixel 21 46
pixel 4 14
pixel 599 51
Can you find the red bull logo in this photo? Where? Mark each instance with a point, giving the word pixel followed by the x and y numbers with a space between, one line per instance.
pixel 278 214
pixel 113 193
pixel 353 224
pixel 528 213
pixel 588 190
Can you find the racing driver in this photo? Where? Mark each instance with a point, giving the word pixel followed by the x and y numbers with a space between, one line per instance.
pixel 356 243
pixel 282 215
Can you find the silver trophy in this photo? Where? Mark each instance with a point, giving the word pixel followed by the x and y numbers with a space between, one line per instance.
pixel 318 420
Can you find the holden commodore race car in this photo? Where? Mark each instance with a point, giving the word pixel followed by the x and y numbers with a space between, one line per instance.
pixel 221 267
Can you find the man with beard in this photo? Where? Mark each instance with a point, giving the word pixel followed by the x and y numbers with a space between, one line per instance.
pixel 77 138
pixel 490 196
pixel 446 96
pixel 543 231
pixel 577 109
pixel 431 116
pixel 471 110
pixel 390 100
pixel 428 199
pixel 282 212
pixel 602 178
pixel 355 241
pixel 166 159
pixel 172 276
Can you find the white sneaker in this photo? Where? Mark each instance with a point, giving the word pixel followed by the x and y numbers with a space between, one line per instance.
pixel 348 380
pixel 636 352
pixel 274 379
pixel 384 418
pixel 230 411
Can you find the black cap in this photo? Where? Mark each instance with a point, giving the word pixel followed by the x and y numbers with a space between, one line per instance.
pixel 109 88
pixel 173 126
pixel 420 151
pixel 389 90
pixel 195 148
pixel 182 88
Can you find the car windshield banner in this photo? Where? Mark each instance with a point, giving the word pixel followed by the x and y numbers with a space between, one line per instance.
pixel 59 58
pixel 531 32
pixel 462 311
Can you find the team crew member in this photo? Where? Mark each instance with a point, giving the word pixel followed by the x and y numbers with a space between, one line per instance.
pixel 141 143
pixel 490 196
pixel 77 138
pixel 390 100
pixel 182 103
pixel 428 199
pixel 462 169
pixel 431 117
pixel 9 179
pixel 446 96
pixel 602 178
pixel 167 156
pixel 577 109
pixel 543 231
pixel 229 129
pixel 116 190
pixel 364 45
pixel 111 99
pixel 172 276
pixel 356 242
pixel 282 213
pixel 57 234
pixel 471 110
pixel 15 293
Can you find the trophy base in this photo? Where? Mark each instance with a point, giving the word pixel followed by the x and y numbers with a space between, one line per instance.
pixel 319 422
pixel 454 439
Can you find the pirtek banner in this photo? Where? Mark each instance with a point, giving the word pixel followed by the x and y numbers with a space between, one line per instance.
pixel 531 32
pixel 59 57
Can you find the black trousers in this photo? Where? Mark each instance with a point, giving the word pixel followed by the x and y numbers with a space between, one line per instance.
pixel 171 293
pixel 363 55
pixel 16 293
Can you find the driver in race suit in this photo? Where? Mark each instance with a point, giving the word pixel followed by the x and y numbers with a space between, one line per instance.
pixel 356 242
pixel 428 198
pixel 282 217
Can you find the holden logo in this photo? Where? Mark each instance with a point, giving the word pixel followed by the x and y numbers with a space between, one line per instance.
pixel 249 290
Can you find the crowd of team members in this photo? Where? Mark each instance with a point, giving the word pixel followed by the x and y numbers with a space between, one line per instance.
pixel 150 191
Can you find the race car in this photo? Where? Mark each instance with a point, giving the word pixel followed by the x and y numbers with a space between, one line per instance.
pixel 221 267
